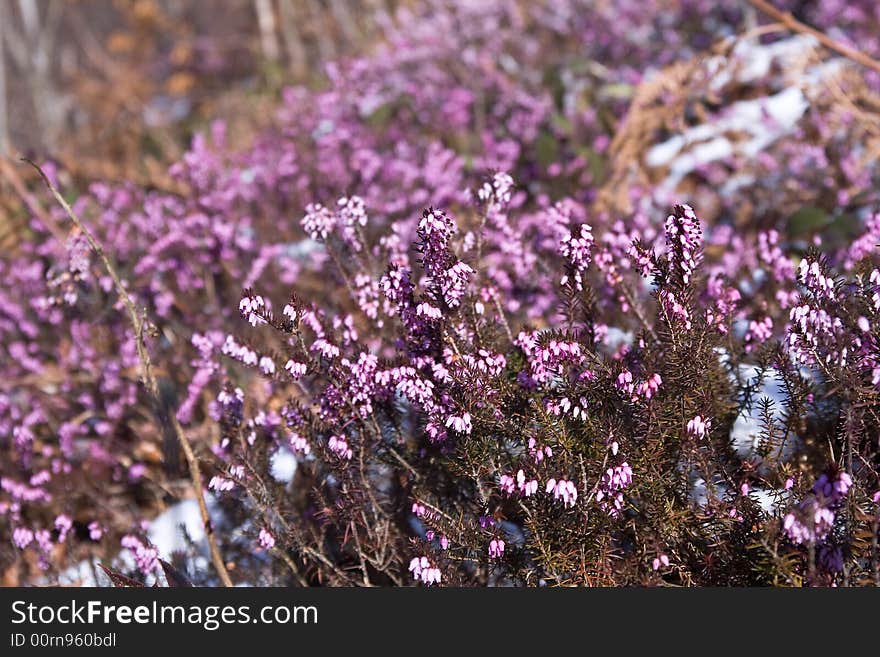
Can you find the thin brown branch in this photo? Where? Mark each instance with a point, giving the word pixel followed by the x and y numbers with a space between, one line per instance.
pixel 149 378
pixel 9 174
pixel 796 26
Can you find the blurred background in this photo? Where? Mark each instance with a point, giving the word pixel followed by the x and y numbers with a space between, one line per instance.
pixel 110 89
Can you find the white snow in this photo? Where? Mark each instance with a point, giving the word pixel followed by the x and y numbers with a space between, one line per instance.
pixel 283 466
pixel 165 530
pixel 79 574
pixel 755 123
pixel 747 426
pixel 751 61
pixel 771 500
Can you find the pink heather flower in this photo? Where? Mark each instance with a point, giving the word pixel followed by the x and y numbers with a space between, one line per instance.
pixel 662 560
pixel 624 382
pixel 22 537
pixel 545 359
pixel 486 362
pixel 319 222
pixel 436 223
pixel 810 274
pixel 220 484
pixel 423 570
pixel 564 490
pixel 526 487
pixel 351 213
pixel 250 307
pixel 298 444
pixel 325 348
pixel 146 558
pixel 675 310
pixel 241 353
pixel 267 365
pixel 427 311
pixel 684 241
pixel 649 387
pixel 642 258
pixel 498 190
pixel 833 490
pixel 876 497
pixel 699 426
pixel 810 328
pixel 496 548
pixel 811 527
pixel 454 283
pixel 577 248
pixel 63 524
pixel 96 532
pixel 460 423
pixel 759 332
pixel 444 543
pixel 137 471
pixel 610 492
pixel 289 312
pixel 339 446
pixel 295 369
pixel 231 402
pixel 267 541
pixel 538 452
pixel 43 539
pixel 812 520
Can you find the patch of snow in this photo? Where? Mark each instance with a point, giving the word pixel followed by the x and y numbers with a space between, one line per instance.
pixel 168 529
pixel 301 249
pixel 747 426
pixel 753 61
pixel 771 500
pixel 762 121
pixel 615 337
pixel 699 495
pixel 283 466
pixel 79 574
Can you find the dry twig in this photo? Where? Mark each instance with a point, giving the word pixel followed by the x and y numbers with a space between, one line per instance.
pixel 796 26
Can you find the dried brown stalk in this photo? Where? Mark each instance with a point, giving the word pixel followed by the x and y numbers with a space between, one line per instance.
pixel 796 26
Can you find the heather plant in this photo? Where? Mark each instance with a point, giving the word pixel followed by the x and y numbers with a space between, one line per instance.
pixel 443 323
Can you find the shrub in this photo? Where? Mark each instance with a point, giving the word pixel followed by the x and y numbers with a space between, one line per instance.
pixel 469 351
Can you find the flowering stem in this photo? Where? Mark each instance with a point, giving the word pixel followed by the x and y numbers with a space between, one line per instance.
pixel 148 377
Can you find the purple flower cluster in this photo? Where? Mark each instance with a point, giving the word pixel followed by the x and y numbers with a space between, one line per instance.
pixel 424 571
pixel 814 517
pixel 611 486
